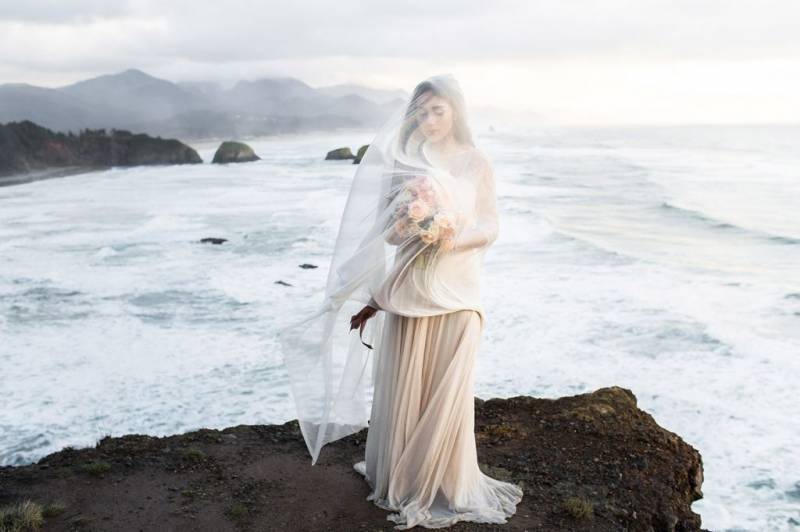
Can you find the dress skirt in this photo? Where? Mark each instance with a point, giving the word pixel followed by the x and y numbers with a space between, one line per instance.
pixel 421 460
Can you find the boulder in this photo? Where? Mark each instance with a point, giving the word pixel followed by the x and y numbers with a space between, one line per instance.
pixel 339 154
pixel 212 240
pixel 234 152
pixel 360 155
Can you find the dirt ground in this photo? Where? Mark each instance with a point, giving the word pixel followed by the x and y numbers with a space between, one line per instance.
pixel 593 462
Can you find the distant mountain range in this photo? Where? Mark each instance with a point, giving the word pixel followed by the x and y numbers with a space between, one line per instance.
pixel 139 102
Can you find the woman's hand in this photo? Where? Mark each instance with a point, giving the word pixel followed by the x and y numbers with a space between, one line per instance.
pixel 359 320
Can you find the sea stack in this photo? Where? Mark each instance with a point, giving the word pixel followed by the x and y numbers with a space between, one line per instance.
pixel 339 154
pixel 234 152
pixel 360 155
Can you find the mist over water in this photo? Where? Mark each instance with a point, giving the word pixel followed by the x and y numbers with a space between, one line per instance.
pixel 663 260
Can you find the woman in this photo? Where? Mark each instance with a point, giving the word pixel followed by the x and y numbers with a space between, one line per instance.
pixel 420 215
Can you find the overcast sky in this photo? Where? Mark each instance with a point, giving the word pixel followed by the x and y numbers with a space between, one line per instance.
pixel 572 61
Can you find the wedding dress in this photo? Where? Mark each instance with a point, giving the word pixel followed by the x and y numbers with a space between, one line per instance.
pixel 411 243
pixel 421 458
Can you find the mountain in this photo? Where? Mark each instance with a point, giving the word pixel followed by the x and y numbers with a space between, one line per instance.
pixel 137 101
pixel 55 108
pixel 134 95
pixel 381 96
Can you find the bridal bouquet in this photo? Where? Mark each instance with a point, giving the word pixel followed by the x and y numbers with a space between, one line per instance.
pixel 419 212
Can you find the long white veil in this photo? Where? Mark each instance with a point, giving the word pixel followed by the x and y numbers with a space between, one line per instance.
pixel 413 213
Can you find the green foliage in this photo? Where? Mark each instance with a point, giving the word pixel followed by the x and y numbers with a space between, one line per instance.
pixel 194 454
pixel 21 517
pixel 53 509
pixel 579 508
pixel 95 468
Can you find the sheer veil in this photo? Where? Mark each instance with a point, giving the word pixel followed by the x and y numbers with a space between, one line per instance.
pixel 417 218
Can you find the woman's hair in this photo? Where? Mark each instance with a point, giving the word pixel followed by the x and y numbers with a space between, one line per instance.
pixel 447 88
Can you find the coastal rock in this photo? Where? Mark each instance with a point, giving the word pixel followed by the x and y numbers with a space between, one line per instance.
pixel 339 154
pixel 589 462
pixel 234 152
pixel 26 147
pixel 360 155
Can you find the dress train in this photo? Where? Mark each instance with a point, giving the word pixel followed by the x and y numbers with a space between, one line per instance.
pixel 421 460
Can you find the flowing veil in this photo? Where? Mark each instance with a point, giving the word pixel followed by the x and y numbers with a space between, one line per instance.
pixel 409 217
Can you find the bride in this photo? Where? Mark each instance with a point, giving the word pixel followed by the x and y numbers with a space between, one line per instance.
pixel 420 214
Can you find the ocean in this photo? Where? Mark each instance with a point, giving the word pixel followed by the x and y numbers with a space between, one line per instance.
pixel 662 259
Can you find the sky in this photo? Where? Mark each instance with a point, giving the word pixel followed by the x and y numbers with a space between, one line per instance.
pixel 570 62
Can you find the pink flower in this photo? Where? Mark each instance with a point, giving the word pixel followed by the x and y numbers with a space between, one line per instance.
pixel 427 195
pixel 445 225
pixel 430 235
pixel 417 210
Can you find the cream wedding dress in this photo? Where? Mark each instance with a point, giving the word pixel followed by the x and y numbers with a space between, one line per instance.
pixel 421 460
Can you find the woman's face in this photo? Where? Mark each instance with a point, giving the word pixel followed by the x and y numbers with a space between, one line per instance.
pixel 435 117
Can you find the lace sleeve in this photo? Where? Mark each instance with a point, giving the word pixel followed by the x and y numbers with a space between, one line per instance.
pixel 484 228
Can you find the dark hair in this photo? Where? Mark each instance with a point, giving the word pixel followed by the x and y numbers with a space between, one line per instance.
pixel 446 87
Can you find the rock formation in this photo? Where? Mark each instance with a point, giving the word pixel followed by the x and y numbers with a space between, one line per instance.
pixel 234 152
pixel 339 154
pixel 26 147
pixel 360 155
pixel 589 462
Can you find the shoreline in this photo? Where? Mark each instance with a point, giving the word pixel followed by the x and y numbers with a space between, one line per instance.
pixel 51 172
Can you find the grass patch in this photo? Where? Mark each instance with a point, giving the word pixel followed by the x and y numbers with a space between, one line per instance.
pixel 95 468
pixel 20 517
pixel 237 511
pixel 193 493
pixel 53 509
pixel 579 508
pixel 194 454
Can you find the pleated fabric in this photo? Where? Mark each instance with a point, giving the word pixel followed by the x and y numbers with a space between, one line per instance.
pixel 421 460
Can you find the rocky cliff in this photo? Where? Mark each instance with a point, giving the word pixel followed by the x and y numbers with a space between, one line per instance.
pixel 592 462
pixel 27 147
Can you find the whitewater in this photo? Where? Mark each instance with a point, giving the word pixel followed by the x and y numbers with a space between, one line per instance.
pixel 662 259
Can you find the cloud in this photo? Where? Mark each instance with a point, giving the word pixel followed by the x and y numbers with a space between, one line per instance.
pixel 532 47
pixel 63 12
pixel 451 30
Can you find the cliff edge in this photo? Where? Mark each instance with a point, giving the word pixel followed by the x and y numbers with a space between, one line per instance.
pixel 592 461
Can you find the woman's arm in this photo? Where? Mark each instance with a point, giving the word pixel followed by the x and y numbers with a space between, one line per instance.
pixel 484 229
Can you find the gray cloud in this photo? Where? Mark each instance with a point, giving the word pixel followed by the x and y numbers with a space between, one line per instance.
pixel 63 12
pixel 452 30
pixel 735 51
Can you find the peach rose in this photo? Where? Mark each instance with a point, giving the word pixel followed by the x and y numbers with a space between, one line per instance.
pixel 427 195
pixel 417 210
pixel 430 235
pixel 445 224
